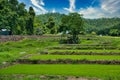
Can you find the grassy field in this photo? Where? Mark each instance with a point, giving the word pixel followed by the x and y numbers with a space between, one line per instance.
pixel 107 72
pixel 36 47
pixel 10 51
pixel 75 57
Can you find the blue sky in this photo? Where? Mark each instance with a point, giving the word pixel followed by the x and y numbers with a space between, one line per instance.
pixel 89 8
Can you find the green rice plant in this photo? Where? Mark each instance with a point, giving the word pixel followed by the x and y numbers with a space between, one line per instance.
pixel 106 72
pixel 75 57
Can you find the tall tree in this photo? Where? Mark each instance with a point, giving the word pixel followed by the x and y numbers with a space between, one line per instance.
pixel 14 4
pixel 22 12
pixel 4 12
pixel 14 16
pixel 51 25
pixel 73 24
pixel 30 21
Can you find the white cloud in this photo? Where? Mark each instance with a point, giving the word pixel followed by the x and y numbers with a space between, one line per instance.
pixel 108 8
pixel 91 12
pixel 72 6
pixel 37 10
pixel 53 11
pixel 39 6
pixel 111 6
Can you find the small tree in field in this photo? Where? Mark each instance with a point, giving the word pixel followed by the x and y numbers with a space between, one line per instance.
pixel 73 24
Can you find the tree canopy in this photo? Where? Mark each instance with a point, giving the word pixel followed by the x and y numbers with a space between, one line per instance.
pixel 14 17
pixel 73 25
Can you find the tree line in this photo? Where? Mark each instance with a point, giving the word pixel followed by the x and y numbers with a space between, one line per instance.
pixel 14 17
pixel 101 26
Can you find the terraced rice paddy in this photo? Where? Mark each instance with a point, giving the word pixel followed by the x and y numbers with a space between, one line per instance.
pixel 92 58
pixel 83 70
pixel 74 57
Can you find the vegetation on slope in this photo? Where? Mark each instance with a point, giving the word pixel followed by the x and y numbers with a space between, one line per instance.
pixel 99 26
pixel 10 51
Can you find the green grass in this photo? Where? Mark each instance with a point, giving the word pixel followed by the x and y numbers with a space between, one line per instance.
pixel 110 72
pixel 10 51
pixel 75 57
pixel 95 51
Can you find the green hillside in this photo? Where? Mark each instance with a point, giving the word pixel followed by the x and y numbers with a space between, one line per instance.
pixel 91 25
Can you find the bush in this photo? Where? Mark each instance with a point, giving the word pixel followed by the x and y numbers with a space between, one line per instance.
pixel 70 40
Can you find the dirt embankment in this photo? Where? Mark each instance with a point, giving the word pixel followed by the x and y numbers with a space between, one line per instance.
pixel 43 77
pixel 18 37
pixel 84 53
pixel 67 61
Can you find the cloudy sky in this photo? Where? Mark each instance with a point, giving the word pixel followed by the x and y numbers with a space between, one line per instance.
pixel 89 8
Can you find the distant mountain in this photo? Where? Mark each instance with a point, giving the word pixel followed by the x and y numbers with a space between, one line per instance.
pixel 100 24
pixel 90 24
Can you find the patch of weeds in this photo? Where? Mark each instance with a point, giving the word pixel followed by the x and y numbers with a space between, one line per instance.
pixel 2 49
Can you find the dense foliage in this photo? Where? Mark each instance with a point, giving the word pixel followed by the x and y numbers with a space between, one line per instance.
pixel 102 26
pixel 113 31
pixel 14 17
pixel 93 51
pixel 48 23
pixel 72 24
pixel 95 26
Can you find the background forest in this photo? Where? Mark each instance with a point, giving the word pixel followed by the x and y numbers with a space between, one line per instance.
pixel 14 17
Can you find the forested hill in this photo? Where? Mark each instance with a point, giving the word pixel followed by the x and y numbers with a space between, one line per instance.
pixel 90 24
pixel 100 24
pixel 56 16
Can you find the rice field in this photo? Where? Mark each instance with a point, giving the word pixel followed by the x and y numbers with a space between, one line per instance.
pixel 49 49
pixel 106 72
pixel 75 57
